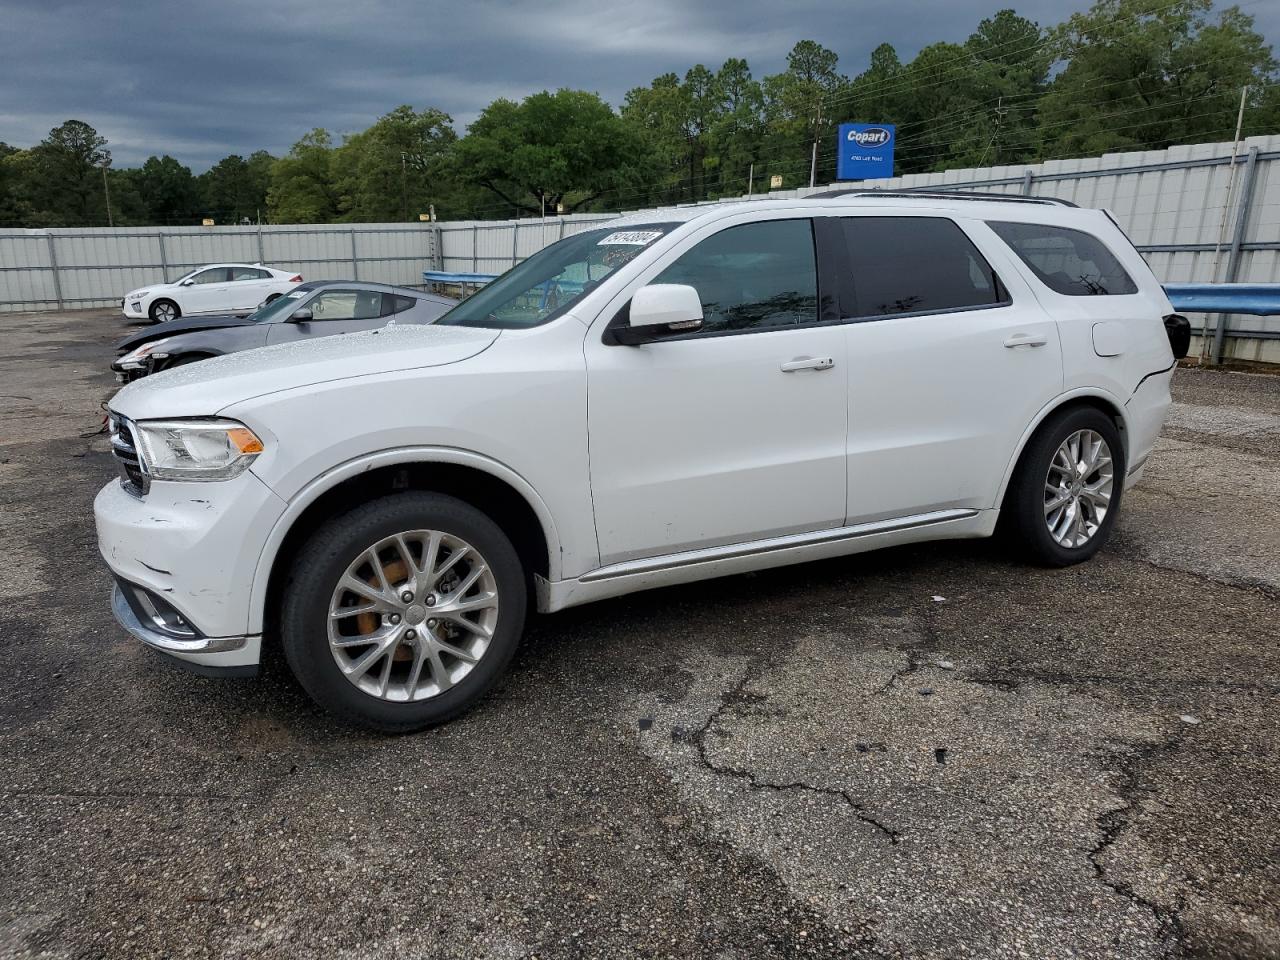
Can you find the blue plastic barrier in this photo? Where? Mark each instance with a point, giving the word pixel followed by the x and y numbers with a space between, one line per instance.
pixel 1253 299
pixel 440 276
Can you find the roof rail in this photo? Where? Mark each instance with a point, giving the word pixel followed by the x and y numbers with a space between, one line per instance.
pixel 941 195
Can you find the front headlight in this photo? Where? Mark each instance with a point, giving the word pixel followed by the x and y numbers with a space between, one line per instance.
pixel 137 294
pixel 213 449
pixel 138 354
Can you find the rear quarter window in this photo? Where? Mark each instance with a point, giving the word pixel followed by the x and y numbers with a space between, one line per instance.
pixel 1070 262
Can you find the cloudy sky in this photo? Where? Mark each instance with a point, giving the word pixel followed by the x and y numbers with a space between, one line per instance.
pixel 203 80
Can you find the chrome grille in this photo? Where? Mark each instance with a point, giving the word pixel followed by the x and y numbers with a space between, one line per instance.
pixel 125 450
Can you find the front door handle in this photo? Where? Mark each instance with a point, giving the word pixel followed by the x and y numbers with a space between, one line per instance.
pixel 808 363
pixel 1027 340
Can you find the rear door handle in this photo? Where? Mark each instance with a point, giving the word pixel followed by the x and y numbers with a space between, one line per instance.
pixel 1026 340
pixel 808 363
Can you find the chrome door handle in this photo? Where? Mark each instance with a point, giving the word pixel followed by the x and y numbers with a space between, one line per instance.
pixel 1026 340
pixel 808 363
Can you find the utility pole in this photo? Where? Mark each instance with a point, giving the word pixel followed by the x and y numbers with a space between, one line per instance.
pixel 751 178
pixel 106 191
pixel 404 189
pixel 1222 229
pixel 813 157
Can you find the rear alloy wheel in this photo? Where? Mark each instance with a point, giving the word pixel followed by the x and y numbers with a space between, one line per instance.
pixel 1077 489
pixel 404 612
pixel 1065 496
pixel 163 310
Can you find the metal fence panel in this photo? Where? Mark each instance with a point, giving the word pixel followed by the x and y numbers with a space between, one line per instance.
pixel 1171 202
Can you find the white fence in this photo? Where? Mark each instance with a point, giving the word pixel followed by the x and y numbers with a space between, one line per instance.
pixel 1183 207
pixel 95 267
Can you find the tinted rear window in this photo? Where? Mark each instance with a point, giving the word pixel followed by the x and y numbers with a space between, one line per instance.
pixel 916 265
pixel 1066 261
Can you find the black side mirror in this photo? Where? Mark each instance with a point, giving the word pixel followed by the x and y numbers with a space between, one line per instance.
pixel 301 315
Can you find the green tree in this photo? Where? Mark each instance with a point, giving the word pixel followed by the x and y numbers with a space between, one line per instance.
pixel 234 188
pixel 565 147
pixel 168 191
pixel 12 210
pixel 1148 74
pixel 737 130
pixel 395 169
pixel 62 177
pixel 302 188
pixel 798 108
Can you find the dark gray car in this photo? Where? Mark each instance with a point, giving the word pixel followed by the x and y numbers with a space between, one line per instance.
pixel 319 308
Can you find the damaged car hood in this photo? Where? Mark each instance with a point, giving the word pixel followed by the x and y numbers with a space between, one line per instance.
pixel 202 389
pixel 172 328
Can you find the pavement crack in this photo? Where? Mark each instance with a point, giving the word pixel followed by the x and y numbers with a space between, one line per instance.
pixel 1113 823
pixel 729 700
pixel 1135 554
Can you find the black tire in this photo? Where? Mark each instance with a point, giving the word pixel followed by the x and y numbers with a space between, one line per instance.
pixel 151 311
pixel 324 558
pixel 1023 515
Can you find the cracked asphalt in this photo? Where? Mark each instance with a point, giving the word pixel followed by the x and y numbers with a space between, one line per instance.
pixel 926 752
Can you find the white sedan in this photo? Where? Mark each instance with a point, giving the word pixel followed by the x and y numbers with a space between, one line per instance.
pixel 216 288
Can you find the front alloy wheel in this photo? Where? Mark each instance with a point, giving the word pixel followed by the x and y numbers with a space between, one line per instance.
pixel 403 612
pixel 413 615
pixel 163 310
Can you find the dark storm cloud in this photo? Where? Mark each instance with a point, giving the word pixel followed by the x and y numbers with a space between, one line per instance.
pixel 202 80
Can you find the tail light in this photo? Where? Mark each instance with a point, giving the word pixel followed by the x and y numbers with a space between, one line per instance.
pixel 1178 329
pixel 296 278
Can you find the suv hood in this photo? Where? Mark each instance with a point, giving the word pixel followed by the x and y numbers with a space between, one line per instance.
pixel 202 389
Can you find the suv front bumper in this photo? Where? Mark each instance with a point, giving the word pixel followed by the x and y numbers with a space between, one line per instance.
pixel 213 656
pixel 184 557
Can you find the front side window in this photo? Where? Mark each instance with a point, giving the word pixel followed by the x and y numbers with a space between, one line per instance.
pixel 555 278
pixel 916 265
pixel 1069 262
pixel 214 275
pixel 752 276
pixel 346 305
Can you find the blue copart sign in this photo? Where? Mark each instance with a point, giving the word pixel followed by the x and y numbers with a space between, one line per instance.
pixel 865 151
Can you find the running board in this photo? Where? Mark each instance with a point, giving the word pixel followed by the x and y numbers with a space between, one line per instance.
pixel 630 575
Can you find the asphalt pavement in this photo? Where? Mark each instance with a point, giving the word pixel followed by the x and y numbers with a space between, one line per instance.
pixel 932 751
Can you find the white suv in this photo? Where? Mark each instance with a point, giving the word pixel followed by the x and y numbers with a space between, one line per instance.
pixel 658 400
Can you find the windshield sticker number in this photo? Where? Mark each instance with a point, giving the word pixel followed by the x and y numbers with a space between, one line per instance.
pixel 630 238
pixel 296 294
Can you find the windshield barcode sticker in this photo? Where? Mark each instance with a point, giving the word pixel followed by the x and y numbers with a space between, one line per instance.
pixel 633 238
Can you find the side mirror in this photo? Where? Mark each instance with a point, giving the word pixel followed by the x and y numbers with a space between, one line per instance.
pixel 301 315
pixel 187 283
pixel 659 310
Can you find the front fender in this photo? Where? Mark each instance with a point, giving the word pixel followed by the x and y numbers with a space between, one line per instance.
pixel 373 461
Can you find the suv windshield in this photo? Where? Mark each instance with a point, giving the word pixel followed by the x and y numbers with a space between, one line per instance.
pixel 554 279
